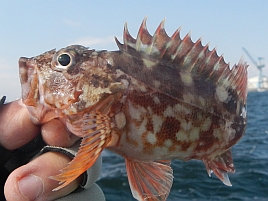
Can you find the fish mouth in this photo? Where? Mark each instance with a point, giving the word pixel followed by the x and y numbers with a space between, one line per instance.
pixel 29 81
pixel 32 92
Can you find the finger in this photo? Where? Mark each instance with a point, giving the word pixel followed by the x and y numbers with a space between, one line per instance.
pixel 16 127
pixel 31 181
pixel 56 134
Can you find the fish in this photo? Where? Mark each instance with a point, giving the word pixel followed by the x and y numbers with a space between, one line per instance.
pixel 155 99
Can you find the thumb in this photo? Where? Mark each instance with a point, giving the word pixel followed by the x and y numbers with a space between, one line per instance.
pixel 31 181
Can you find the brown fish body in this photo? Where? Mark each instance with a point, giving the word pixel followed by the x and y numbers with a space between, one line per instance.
pixel 158 98
pixel 162 121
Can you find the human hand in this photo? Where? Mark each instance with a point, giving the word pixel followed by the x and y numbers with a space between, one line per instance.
pixel 31 181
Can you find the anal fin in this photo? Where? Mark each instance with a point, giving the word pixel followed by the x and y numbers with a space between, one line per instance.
pixel 149 180
pixel 220 166
pixel 96 131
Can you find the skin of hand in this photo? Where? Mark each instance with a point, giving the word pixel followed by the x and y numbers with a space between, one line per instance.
pixel 31 181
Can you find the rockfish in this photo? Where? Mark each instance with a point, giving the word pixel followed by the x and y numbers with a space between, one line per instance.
pixel 156 99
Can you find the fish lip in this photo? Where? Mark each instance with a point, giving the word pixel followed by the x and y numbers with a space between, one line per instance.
pixel 29 81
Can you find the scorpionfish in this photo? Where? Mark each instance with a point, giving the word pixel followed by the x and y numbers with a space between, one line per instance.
pixel 156 99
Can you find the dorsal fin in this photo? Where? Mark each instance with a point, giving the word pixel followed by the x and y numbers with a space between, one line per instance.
pixel 186 56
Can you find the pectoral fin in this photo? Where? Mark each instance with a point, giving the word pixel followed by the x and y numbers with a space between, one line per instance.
pixel 221 165
pixel 149 180
pixel 96 128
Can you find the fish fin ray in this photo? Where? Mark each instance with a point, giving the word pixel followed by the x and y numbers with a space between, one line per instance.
pixel 149 180
pixel 187 55
pixel 220 166
pixel 96 128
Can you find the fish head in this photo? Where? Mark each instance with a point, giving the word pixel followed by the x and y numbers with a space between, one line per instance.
pixel 62 82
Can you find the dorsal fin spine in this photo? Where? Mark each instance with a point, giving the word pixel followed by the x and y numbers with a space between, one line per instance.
pixel 187 55
pixel 127 38
pixel 145 41
pixel 189 44
pixel 160 40
pixel 176 54
pixel 140 34
pixel 182 47
pixel 201 57
pixel 119 45
pixel 216 67
pixel 192 56
pixel 209 63
pixel 174 41
pixel 235 77
pixel 155 38
pixel 220 67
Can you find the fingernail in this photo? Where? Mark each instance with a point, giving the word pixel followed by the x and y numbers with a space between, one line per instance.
pixel 31 186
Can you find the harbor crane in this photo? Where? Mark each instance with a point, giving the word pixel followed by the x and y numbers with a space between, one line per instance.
pixel 260 65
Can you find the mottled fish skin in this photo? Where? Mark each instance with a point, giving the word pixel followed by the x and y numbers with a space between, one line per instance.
pixel 156 99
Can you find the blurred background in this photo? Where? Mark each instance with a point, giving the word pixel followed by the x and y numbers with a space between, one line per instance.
pixel 238 29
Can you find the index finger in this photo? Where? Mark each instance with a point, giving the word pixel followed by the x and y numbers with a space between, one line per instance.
pixel 55 133
pixel 16 128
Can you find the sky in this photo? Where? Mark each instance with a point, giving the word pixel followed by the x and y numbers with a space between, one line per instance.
pixel 29 28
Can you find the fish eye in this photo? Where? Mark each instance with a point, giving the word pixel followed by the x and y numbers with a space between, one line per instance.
pixel 64 59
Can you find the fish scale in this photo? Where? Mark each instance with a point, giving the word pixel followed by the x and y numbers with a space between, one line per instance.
pixel 156 99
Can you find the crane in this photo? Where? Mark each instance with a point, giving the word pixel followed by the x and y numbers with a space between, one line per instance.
pixel 260 65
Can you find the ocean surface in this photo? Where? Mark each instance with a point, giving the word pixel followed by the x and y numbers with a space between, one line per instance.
pixel 191 182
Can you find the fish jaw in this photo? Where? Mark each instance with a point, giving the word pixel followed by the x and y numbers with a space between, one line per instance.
pixel 30 90
pixel 29 81
pixel 42 102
